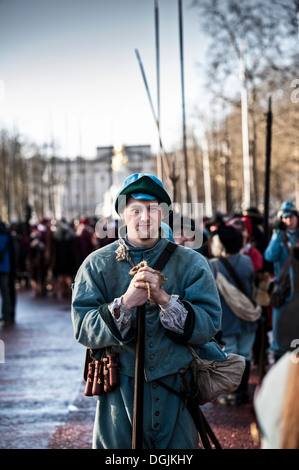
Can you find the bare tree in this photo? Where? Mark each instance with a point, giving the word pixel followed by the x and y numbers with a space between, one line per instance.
pixel 267 31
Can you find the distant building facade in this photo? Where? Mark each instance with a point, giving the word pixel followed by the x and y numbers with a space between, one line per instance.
pixel 75 188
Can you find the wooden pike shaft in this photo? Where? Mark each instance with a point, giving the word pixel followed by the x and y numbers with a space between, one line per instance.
pixel 137 436
pixel 165 159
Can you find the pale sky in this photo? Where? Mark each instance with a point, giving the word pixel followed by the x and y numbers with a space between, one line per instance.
pixel 68 70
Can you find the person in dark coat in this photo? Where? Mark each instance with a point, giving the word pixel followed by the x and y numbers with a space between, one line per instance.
pixel 63 259
pixel 83 241
pixel 5 269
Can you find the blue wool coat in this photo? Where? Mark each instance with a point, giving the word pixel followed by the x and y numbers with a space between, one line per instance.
pixel 100 279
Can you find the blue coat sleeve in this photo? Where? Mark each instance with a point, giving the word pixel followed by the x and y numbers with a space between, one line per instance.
pixel 274 250
pixel 200 294
pixel 92 321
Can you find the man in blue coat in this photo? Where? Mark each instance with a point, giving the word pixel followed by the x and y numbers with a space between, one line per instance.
pixel 185 309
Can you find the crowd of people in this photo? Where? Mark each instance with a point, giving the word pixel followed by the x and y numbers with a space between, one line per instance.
pixel 272 340
pixel 239 240
pixel 43 257
pixel 47 256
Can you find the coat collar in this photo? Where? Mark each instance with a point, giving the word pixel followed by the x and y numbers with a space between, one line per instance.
pixel 160 245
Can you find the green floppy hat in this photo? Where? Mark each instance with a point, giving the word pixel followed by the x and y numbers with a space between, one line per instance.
pixel 142 186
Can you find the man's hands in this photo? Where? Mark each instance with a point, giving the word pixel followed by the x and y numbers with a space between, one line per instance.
pixel 137 292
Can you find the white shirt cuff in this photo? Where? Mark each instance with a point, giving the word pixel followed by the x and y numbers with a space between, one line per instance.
pixel 123 322
pixel 173 314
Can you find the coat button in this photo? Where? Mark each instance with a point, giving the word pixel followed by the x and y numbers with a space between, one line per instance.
pixel 157 413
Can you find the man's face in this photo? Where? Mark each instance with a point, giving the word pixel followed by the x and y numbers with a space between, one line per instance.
pixel 143 220
pixel 291 221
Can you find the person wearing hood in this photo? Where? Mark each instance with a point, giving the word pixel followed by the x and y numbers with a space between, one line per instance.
pixel 184 309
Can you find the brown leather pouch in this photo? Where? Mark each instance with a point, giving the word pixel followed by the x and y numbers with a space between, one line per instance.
pixel 98 380
pixel 89 381
pixel 113 368
pixel 88 360
pixel 100 376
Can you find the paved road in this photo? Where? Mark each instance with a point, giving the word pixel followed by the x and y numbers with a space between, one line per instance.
pixel 41 375
pixel 42 405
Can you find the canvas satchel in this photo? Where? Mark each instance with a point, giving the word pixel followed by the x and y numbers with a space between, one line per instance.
pixel 238 301
pixel 214 378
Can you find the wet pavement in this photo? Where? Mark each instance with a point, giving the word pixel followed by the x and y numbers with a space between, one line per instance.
pixel 42 372
pixel 42 405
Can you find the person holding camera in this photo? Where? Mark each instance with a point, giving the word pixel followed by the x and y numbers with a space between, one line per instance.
pixel 284 237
